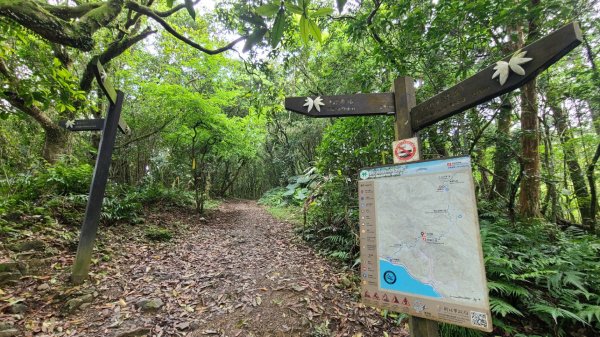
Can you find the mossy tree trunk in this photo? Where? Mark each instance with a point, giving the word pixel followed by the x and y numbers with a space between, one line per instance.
pixel 55 23
pixel 55 144
pixel 529 198
pixel 503 154
pixel 576 173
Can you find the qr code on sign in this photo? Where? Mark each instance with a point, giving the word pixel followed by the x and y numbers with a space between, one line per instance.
pixel 479 319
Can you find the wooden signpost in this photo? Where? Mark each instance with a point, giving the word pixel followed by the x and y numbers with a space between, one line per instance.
pixel 109 127
pixel 506 75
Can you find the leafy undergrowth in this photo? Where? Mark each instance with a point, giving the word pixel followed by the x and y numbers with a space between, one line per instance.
pixel 291 214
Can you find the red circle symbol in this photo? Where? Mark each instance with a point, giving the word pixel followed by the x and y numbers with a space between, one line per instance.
pixel 405 150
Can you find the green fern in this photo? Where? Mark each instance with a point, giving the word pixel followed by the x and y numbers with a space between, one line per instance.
pixel 574 278
pixel 503 308
pixel 508 289
pixel 590 313
pixel 555 312
pixel 340 255
pixel 338 240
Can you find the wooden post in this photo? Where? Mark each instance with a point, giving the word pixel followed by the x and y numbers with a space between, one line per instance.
pixel 405 100
pixel 97 189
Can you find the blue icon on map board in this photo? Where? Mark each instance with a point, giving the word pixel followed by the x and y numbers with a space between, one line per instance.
pixel 389 277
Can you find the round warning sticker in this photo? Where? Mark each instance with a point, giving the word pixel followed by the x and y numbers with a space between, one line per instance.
pixel 405 150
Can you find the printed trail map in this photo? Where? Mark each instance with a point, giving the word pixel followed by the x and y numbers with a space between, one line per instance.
pixel 420 244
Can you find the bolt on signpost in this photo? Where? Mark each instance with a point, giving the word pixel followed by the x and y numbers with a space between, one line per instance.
pixel 109 127
pixel 383 288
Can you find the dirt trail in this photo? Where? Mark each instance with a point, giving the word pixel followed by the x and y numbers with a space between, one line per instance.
pixel 238 273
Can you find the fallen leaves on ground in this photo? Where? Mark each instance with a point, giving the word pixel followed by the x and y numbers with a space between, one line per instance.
pixel 240 273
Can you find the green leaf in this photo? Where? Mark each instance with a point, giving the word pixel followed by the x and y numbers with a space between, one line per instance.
pixel 590 312
pixel 189 5
pixel 278 28
pixel 294 9
pixel 254 38
pixel 304 28
pixel 314 30
pixel 170 3
pixel 503 308
pixel 555 312
pixel 322 12
pixel 508 289
pixel 268 10
pixel 341 4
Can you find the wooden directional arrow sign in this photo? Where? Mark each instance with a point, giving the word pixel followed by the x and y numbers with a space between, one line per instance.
pixel 475 90
pixel 482 87
pixel 91 125
pixel 105 83
pixel 108 89
pixel 123 127
pixel 342 105
pixel 83 124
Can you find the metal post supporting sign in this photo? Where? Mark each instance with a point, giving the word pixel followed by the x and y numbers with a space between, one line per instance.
pixel 506 75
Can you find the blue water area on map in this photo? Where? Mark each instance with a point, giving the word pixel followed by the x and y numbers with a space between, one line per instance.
pixel 396 278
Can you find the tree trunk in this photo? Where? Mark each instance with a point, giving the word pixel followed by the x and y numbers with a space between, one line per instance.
pixel 55 144
pixel 503 154
pixel 595 101
pixel 50 23
pixel 593 196
pixel 576 174
pixel 551 199
pixel 437 142
pixel 529 198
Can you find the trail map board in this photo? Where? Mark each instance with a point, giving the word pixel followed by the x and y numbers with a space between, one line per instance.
pixel 420 245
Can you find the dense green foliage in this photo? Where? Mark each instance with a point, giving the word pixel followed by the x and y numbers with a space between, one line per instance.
pixel 60 191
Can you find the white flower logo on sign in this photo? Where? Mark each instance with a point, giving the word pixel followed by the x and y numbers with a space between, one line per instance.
pixel 503 68
pixel 103 75
pixel 70 124
pixel 316 103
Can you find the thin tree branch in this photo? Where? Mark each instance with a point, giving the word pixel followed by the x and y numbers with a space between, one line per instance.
pixel 19 102
pixel 342 17
pixel 370 18
pixel 173 10
pixel 482 130
pixel 376 36
pixel 149 12
pixel 137 139
pixel 114 50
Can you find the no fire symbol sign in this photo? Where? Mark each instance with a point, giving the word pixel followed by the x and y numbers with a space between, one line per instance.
pixel 406 150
